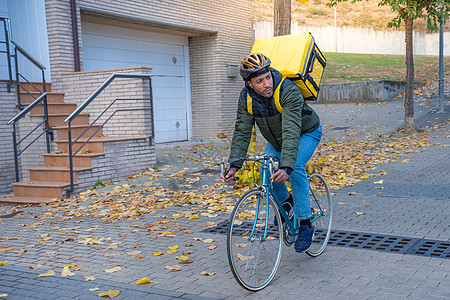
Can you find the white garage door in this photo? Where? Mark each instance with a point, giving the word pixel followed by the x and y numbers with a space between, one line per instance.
pixel 109 47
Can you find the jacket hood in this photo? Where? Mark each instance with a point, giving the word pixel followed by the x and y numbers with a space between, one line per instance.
pixel 277 78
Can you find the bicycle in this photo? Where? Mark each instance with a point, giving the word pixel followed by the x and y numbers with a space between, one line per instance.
pixel 254 243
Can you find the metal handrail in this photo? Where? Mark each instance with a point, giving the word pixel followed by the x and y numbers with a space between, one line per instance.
pixel 28 56
pixel 27 109
pixel 20 115
pixel 86 102
pixel 42 99
pixel 7 29
pixel 105 84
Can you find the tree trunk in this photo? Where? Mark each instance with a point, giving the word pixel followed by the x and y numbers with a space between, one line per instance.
pixel 282 17
pixel 409 92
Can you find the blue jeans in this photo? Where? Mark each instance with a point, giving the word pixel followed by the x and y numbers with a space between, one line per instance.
pixel 299 181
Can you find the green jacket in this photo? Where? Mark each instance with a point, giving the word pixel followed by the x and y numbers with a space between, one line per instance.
pixel 281 130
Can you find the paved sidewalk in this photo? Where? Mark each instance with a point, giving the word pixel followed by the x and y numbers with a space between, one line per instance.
pixel 414 203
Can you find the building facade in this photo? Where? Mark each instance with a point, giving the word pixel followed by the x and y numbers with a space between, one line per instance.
pixel 192 49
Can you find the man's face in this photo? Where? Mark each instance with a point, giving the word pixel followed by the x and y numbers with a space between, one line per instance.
pixel 262 85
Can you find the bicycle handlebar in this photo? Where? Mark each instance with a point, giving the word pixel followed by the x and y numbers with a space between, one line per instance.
pixel 255 158
pixel 275 161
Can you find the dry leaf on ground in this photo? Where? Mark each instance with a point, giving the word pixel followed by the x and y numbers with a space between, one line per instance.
pixel 89 278
pixel 204 273
pixel 112 270
pixel 110 294
pixel 46 274
pixel 173 268
pixel 143 280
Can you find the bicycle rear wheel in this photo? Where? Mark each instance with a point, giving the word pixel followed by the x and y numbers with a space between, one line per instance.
pixel 254 258
pixel 322 214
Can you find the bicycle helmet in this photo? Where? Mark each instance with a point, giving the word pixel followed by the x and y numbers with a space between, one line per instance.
pixel 252 64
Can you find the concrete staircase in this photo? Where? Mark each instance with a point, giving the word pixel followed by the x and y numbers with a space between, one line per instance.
pixel 47 182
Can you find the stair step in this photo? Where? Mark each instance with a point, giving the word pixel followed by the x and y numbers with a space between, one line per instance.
pixel 77 130
pixel 52 97
pixel 54 109
pixel 39 85
pixel 49 189
pixel 46 173
pixel 62 159
pixel 58 119
pixel 26 200
pixel 95 145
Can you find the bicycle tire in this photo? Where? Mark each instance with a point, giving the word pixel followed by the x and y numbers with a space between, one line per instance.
pixel 253 260
pixel 320 203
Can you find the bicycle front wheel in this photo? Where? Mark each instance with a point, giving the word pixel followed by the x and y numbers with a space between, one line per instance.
pixel 322 214
pixel 254 249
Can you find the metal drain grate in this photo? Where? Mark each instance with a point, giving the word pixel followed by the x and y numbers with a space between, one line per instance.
pixel 370 241
pixel 432 248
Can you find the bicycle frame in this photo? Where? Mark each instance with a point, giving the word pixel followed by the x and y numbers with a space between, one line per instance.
pixel 266 187
pixel 256 267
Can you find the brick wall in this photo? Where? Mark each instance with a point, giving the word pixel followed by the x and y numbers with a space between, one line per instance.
pixel 121 159
pixel 8 110
pixel 133 93
pixel 213 94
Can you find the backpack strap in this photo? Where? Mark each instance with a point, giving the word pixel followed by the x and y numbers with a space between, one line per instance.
pixel 249 104
pixel 276 97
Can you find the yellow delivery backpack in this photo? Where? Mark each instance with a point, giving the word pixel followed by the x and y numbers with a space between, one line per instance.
pixel 296 57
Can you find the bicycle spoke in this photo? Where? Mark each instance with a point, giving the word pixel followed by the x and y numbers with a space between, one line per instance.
pixel 253 259
pixel 322 213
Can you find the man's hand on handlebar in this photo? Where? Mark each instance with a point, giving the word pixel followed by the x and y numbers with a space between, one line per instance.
pixel 279 176
pixel 229 177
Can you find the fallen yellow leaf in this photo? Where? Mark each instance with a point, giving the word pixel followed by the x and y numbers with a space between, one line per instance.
pixel 242 257
pixel 174 247
pixel 204 273
pixel 3 263
pixel 66 272
pixel 112 270
pixel 185 262
pixel 143 280
pixel 360 213
pixel 89 278
pixel 110 294
pixel 378 182
pixel 173 268
pixel 194 217
pixel 38 266
pixel 204 240
pixel 46 274
pixel 158 253
pixel 182 257
pixel 6 249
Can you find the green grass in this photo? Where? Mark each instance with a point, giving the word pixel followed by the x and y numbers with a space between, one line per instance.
pixel 345 67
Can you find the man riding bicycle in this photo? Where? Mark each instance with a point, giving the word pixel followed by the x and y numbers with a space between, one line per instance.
pixel 292 135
